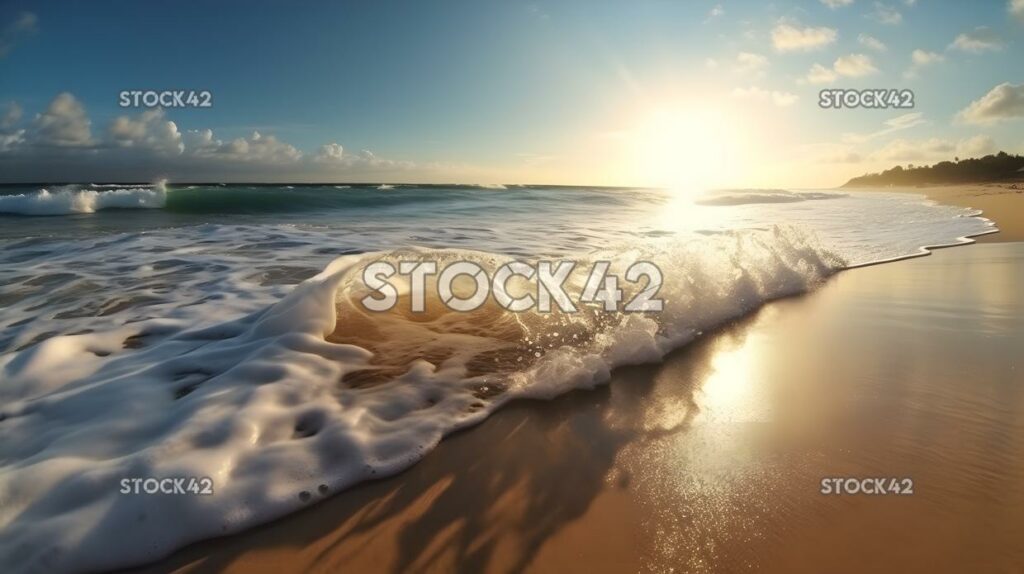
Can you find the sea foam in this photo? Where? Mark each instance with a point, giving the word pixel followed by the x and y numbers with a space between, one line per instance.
pixel 73 199
pixel 276 415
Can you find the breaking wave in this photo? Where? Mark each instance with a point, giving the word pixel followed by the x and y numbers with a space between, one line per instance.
pixel 70 199
pixel 312 394
pixel 749 196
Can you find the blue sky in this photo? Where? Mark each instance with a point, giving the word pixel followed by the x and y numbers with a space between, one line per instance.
pixel 630 93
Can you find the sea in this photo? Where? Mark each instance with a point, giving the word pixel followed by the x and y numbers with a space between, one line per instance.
pixel 216 332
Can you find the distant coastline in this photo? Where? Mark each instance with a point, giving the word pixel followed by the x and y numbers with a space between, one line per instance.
pixel 998 168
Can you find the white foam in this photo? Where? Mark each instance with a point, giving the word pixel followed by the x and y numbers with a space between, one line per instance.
pixel 749 196
pixel 267 419
pixel 72 199
pixel 116 185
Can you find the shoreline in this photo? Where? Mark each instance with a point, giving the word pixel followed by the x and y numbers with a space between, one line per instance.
pixel 711 460
pixel 1002 203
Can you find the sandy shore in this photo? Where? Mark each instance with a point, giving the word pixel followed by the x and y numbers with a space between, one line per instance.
pixel 1000 202
pixel 713 460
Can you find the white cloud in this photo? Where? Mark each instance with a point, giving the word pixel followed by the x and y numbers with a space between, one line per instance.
pixel 362 161
pixel 64 123
pixel 1003 102
pixel 11 117
pixel 781 99
pixel 819 74
pixel 1016 8
pixel 886 14
pixel 976 146
pixel 892 125
pixel 10 141
pixel 267 149
pixel 789 38
pixel 909 150
pixel 58 141
pixel 871 43
pixel 904 121
pixel 751 64
pixel 259 147
pixel 925 58
pixel 934 149
pixel 833 4
pixel 332 152
pixel 25 24
pixel 11 138
pixel 201 142
pixel 147 132
pixel 854 65
pixel 920 59
pixel 981 39
pixel 537 12
pixel 716 11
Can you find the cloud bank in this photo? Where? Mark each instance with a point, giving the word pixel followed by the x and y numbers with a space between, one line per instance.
pixel 789 38
pixel 1003 102
pixel 61 144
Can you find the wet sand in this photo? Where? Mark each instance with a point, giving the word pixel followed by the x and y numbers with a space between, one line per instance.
pixel 713 460
pixel 1000 202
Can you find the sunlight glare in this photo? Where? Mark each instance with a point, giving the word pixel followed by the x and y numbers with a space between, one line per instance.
pixel 686 149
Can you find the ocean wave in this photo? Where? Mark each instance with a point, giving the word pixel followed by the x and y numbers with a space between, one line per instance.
pixel 118 185
pixel 749 196
pixel 72 199
pixel 312 394
pixel 272 199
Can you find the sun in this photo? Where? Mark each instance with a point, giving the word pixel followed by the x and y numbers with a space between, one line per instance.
pixel 686 148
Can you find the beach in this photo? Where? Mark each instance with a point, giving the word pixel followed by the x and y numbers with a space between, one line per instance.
pixel 1001 201
pixel 713 460
pixel 512 287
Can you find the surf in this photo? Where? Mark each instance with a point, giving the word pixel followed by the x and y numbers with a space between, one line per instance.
pixel 72 199
pixel 312 394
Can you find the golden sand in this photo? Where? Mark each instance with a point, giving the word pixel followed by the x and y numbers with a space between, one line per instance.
pixel 712 461
pixel 1000 202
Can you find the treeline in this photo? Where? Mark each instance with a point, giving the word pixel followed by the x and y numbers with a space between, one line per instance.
pixel 999 167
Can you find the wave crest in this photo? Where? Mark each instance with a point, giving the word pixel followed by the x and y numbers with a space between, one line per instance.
pixel 71 199
pixel 748 196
